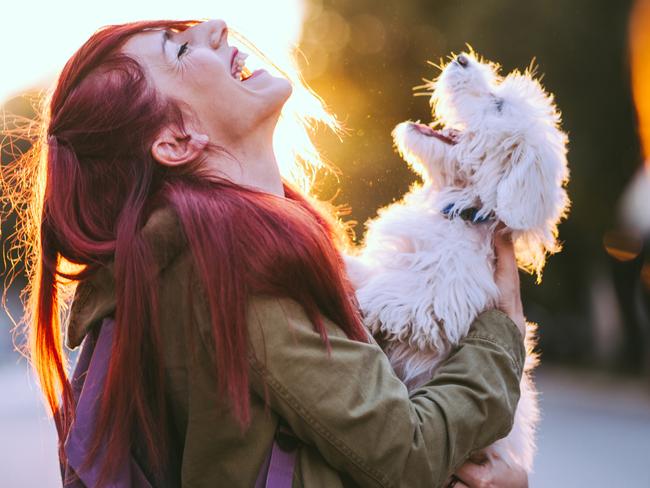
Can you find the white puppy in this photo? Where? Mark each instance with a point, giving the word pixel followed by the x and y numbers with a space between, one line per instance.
pixel 426 269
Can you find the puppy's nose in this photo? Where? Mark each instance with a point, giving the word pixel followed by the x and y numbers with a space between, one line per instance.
pixel 462 60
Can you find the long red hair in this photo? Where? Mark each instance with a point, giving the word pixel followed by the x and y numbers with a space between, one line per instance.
pixel 99 184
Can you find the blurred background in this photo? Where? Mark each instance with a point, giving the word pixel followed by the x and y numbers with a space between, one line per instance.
pixel 363 58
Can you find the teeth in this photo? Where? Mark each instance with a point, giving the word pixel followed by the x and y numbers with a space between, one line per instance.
pixel 239 65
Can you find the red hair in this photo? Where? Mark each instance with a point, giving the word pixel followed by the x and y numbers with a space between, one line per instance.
pixel 100 185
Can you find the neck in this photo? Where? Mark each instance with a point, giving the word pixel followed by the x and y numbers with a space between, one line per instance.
pixel 255 165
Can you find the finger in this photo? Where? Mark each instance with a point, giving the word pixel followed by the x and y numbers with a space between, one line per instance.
pixel 504 246
pixel 456 482
pixel 506 264
pixel 502 229
pixel 479 457
pixel 491 455
pixel 472 474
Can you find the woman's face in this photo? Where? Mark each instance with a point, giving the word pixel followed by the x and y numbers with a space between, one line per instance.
pixel 199 68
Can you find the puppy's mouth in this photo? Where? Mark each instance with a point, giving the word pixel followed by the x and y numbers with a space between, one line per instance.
pixel 448 136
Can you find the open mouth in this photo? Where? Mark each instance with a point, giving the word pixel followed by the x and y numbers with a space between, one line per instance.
pixel 447 136
pixel 238 68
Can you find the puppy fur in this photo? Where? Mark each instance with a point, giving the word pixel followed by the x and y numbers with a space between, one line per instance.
pixel 421 276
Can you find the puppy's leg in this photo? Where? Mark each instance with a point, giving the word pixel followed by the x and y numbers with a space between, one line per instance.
pixel 426 150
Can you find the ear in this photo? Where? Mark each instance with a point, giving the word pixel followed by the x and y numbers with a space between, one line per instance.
pixel 531 193
pixel 531 199
pixel 174 148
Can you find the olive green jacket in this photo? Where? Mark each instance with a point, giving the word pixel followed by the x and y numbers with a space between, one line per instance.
pixel 357 422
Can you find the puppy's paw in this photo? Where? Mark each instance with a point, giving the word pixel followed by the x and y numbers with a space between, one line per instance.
pixel 424 148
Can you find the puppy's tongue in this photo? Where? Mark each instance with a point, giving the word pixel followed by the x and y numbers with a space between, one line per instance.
pixel 429 132
pixel 425 129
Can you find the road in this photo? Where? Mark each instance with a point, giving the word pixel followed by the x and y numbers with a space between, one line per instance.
pixel 595 431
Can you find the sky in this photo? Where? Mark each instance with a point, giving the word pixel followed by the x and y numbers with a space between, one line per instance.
pixel 38 36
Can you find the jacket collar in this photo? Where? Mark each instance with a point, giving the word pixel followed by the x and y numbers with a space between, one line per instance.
pixel 94 297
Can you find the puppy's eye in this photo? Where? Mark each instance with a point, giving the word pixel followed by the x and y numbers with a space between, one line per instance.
pixel 499 104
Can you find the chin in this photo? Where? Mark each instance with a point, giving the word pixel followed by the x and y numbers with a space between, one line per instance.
pixel 282 89
pixel 275 95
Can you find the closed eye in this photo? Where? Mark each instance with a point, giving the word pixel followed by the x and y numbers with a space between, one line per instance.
pixel 182 50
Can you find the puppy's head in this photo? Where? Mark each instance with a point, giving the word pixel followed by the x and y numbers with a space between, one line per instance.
pixel 460 97
pixel 510 149
pixel 463 94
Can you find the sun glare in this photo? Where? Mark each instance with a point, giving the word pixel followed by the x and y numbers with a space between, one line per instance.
pixel 39 36
pixel 42 43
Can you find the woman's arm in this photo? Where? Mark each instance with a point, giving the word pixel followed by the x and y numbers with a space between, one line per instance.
pixel 357 413
pixel 506 277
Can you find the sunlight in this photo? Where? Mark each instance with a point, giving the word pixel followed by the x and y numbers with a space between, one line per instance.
pixel 40 35
pixel 37 48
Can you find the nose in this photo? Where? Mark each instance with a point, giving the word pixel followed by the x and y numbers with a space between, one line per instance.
pixel 218 32
pixel 213 32
pixel 462 60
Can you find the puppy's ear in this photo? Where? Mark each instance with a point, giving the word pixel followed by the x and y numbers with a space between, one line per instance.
pixel 531 198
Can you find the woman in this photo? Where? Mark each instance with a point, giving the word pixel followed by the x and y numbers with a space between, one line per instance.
pixel 162 198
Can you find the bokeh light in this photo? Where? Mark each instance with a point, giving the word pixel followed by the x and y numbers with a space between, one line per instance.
pixel 636 201
pixel 640 59
pixel 622 245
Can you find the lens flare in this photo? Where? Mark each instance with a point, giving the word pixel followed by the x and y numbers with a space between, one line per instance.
pixel 636 200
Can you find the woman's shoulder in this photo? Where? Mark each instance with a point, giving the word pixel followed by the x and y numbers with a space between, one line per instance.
pixel 94 297
pixel 265 312
pixel 282 335
pixel 165 235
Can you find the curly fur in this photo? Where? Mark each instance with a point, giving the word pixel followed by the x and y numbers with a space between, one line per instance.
pixel 423 277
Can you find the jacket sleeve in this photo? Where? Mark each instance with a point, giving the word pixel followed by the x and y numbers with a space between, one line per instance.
pixel 350 405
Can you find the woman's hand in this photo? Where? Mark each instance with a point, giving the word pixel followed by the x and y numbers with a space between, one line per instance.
pixel 487 470
pixel 506 277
